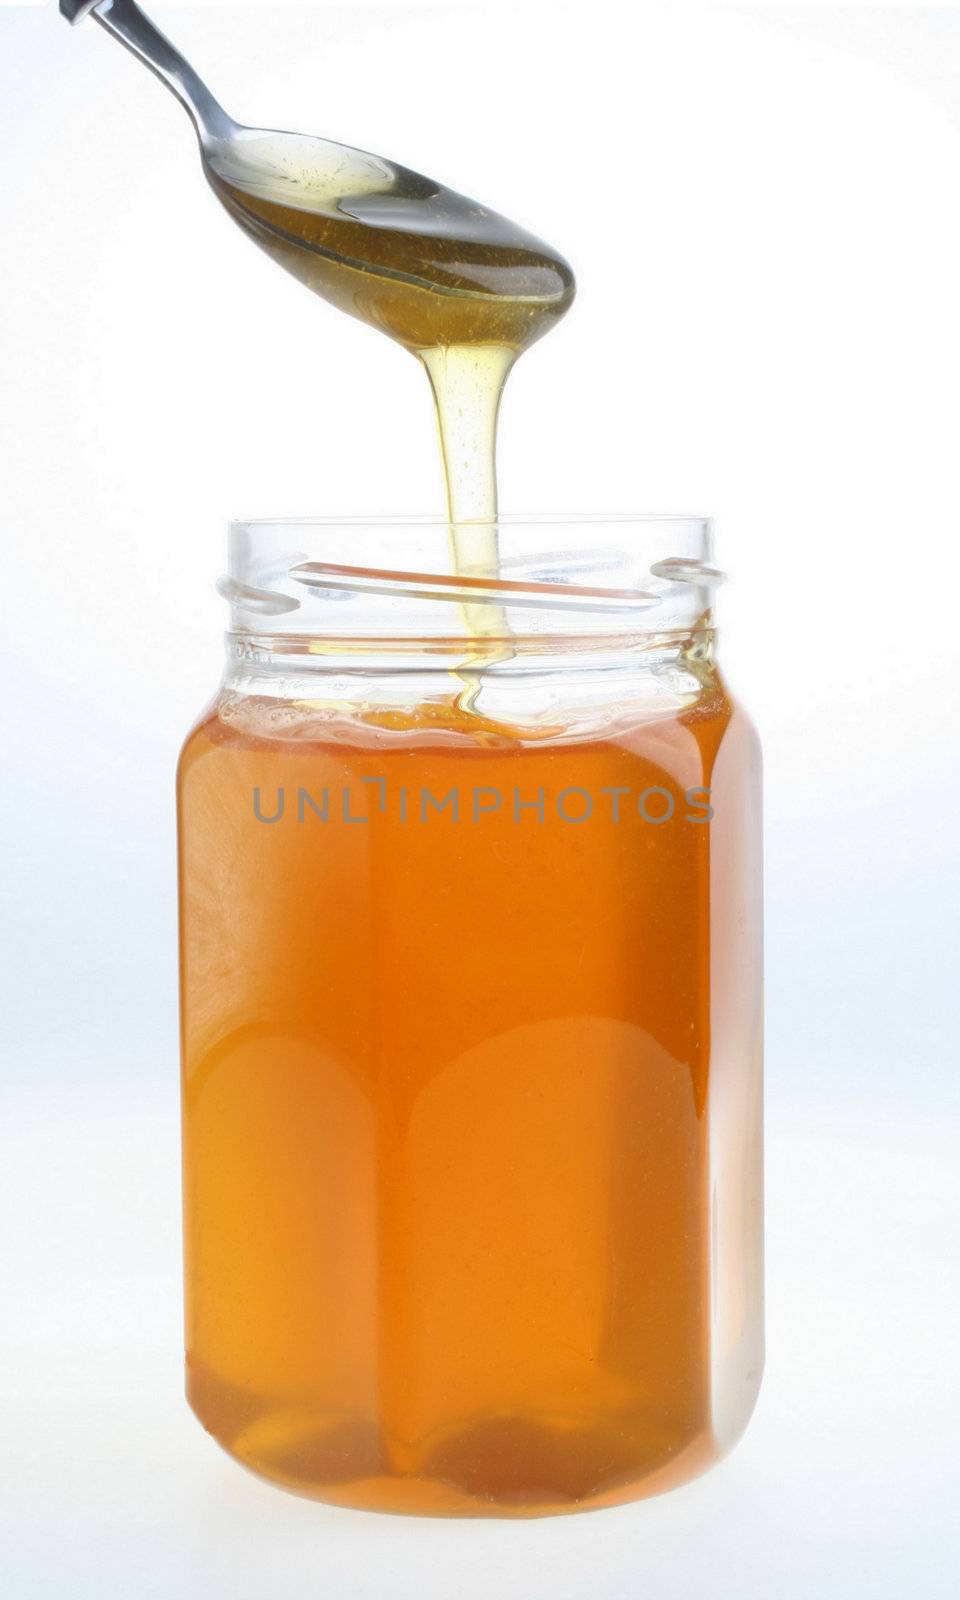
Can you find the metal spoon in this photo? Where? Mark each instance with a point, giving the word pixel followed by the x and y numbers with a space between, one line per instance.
pixel 328 212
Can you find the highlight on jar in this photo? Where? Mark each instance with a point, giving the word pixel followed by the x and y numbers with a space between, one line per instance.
pixel 471 985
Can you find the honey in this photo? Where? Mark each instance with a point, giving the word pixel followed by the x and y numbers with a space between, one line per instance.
pixel 463 1012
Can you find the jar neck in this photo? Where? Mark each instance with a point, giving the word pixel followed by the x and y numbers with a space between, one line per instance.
pixel 654 673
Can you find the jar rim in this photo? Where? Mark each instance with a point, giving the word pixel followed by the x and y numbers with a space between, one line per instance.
pixel 405 576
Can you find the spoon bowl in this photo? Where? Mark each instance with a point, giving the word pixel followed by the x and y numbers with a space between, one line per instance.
pixel 396 249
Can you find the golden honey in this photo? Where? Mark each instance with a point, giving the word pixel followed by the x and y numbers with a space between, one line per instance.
pixel 471 1099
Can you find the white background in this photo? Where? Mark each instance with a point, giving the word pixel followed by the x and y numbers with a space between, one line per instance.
pixel 779 189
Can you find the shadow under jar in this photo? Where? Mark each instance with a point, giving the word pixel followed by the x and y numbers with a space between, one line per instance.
pixel 471 1015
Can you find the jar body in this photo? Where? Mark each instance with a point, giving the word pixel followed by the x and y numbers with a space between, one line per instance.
pixel 471 1088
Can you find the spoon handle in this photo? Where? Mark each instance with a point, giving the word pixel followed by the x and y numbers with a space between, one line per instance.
pixel 133 28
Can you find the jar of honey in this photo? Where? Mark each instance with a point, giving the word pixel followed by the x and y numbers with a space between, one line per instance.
pixel 471 1015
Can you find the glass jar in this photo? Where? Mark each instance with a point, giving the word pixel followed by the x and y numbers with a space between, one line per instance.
pixel 471 1003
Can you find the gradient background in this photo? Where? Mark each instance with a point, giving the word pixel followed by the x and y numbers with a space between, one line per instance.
pixel 780 188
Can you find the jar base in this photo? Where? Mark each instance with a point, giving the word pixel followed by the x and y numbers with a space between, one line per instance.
pixel 504 1464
